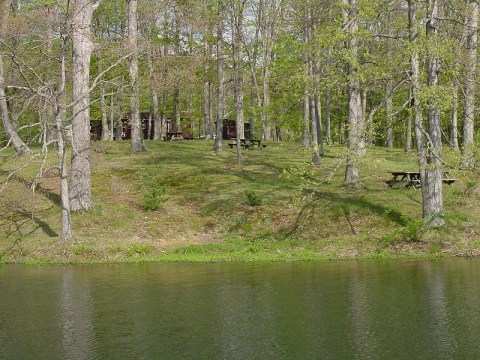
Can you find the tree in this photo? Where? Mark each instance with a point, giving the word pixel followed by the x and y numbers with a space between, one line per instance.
pixel 468 158
pixel 60 105
pixel 428 142
pixel 220 85
pixel 136 124
pixel 237 29
pixel 356 121
pixel 14 139
pixel 80 182
pixel 432 184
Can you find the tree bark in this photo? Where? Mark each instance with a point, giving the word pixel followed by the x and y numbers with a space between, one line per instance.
pixel 80 182
pixel 355 140
pixel 270 12
pixel 67 231
pixel 207 81
pixel 136 124
pixel 468 157
pixel 306 91
pixel 103 107
pixel 306 119
pixel 428 153
pixel 388 111
pixel 408 128
pixel 155 116
pixel 328 136
pixel 433 199
pixel 454 116
pixel 237 75
pixel 207 96
pixel 220 85
pixel 15 140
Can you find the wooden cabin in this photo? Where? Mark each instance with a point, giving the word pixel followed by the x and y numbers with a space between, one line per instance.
pixel 230 129
pixel 148 127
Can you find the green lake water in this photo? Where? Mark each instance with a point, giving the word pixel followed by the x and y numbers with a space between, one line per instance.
pixel 333 310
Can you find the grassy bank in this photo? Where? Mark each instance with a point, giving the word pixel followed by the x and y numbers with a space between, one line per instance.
pixel 181 202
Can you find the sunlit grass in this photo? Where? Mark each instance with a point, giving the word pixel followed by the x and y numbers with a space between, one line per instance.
pixel 202 210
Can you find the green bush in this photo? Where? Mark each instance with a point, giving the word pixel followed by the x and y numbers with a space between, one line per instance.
pixel 413 230
pixel 252 198
pixel 153 197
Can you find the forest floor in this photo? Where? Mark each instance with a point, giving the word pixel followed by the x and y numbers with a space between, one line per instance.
pixel 179 201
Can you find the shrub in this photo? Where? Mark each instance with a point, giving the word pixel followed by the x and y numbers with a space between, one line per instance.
pixel 138 250
pixel 252 198
pixel 153 197
pixel 413 230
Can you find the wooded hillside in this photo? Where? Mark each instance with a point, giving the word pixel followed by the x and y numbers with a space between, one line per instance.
pixel 397 73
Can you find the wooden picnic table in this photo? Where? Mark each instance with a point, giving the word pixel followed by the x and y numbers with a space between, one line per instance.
pixel 411 179
pixel 173 135
pixel 248 143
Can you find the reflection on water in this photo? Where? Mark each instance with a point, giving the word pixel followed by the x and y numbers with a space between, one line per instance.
pixel 337 310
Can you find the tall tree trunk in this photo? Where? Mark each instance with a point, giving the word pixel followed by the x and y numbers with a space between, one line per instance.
pixel 136 123
pixel 306 119
pixel 237 75
pixel 118 113
pixel 468 157
pixel 328 136
pixel 408 127
pixel 176 109
pixel 103 107
pixel 318 116
pixel 266 126
pixel 80 182
pixel 428 156
pixel 48 112
pixel 454 116
pixel 356 139
pixel 270 13
pixel 15 140
pixel 314 114
pixel 207 81
pixel 156 127
pixel 307 90
pixel 388 111
pixel 315 148
pixel 207 96
pixel 432 191
pixel 67 231
pixel 255 98
pixel 220 86
pixel 112 118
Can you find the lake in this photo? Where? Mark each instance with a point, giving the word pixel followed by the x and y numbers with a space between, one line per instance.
pixel 325 310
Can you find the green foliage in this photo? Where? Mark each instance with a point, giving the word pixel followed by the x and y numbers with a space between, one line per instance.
pixel 154 191
pixel 82 250
pixel 252 198
pixel 153 197
pixel 413 230
pixel 138 250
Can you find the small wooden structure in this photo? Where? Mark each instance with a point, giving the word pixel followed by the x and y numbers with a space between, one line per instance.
pixel 248 144
pixel 230 129
pixel 411 179
pixel 148 127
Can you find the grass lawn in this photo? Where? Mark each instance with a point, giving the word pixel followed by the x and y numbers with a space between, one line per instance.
pixel 180 201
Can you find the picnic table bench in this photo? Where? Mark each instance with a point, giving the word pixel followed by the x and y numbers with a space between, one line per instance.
pixel 248 144
pixel 411 179
pixel 173 135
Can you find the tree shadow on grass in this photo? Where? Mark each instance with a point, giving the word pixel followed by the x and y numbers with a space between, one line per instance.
pixel 17 220
pixel 17 217
pixel 344 203
pixel 50 195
